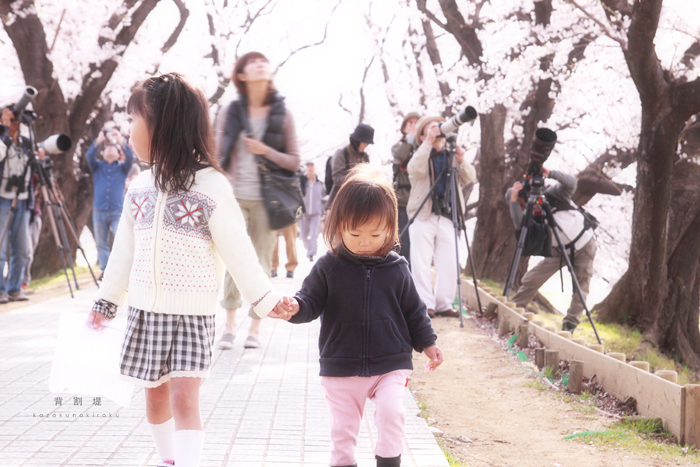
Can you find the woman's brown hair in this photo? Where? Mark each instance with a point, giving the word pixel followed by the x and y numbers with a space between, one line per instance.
pixel 241 86
pixel 364 196
pixel 177 116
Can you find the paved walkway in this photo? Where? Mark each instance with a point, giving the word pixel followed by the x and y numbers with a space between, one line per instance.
pixel 261 408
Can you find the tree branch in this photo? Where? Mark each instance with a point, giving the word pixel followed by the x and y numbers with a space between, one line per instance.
pixel 304 47
pixel 424 9
pixel 95 82
pixel 184 14
pixel 644 65
pixel 599 23
pixel 362 90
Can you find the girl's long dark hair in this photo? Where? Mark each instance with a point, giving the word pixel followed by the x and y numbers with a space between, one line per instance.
pixel 177 116
pixel 365 195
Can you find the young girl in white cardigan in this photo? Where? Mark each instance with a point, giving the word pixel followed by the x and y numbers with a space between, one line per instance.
pixel 179 221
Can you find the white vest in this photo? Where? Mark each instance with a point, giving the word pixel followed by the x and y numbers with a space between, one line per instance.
pixel 570 225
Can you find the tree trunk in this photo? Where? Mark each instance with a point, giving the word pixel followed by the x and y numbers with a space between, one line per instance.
pixel 54 114
pixel 493 245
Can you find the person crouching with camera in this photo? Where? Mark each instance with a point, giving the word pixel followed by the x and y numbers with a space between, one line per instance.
pixel 576 235
pixel 432 232
pixel 16 176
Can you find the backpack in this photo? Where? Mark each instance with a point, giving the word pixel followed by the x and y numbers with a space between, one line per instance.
pixel 328 181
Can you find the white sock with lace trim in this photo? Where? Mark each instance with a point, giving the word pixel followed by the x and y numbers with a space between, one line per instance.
pixel 164 437
pixel 188 447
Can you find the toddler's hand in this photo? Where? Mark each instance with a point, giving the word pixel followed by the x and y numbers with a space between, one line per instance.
pixel 96 320
pixel 285 309
pixel 435 355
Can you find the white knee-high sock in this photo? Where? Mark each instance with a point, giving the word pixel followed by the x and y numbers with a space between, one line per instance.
pixel 188 447
pixel 164 437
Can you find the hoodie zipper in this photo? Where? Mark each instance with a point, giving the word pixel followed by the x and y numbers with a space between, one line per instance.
pixel 366 324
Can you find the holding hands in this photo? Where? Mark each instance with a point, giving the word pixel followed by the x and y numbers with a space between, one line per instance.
pixel 285 309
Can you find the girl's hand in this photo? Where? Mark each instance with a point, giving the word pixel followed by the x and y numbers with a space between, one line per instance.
pixel 256 147
pixel 95 320
pixel 285 309
pixel 435 355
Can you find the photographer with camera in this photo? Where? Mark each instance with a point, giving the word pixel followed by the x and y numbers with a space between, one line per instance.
pixel 402 152
pixel 576 234
pixel 109 178
pixel 432 231
pixel 16 175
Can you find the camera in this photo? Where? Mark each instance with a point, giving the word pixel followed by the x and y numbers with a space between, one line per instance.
pixel 467 115
pixel 15 181
pixel 541 148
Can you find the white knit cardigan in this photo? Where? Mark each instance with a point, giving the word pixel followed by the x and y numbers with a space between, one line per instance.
pixel 170 249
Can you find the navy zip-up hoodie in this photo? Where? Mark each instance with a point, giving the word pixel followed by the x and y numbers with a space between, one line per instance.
pixel 371 314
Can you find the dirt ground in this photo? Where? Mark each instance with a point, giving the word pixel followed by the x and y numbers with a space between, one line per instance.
pixel 481 394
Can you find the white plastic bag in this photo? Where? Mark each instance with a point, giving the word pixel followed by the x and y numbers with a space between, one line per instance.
pixel 86 360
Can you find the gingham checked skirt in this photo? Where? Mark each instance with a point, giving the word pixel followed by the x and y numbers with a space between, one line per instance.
pixel 160 346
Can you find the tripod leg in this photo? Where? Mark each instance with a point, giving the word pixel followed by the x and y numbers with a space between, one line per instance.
pixel 463 226
pixel 56 237
pixel 64 240
pixel 58 199
pixel 519 248
pixel 430 192
pixel 451 182
pixel 577 286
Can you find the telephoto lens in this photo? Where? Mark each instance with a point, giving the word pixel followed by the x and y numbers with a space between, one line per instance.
pixel 542 145
pixel 56 144
pixel 466 115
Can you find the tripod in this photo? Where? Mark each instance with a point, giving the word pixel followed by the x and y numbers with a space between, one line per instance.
pixel 535 199
pixel 57 210
pixel 457 219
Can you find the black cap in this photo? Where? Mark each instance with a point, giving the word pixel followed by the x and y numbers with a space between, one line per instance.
pixel 363 133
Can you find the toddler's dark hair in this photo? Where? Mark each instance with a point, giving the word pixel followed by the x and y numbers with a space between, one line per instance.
pixel 177 116
pixel 364 196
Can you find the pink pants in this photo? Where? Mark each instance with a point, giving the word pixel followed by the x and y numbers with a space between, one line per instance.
pixel 346 397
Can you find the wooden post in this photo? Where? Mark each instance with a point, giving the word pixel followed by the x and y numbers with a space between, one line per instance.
pixel 504 326
pixel 523 336
pixel 490 310
pixel 644 366
pixel 575 376
pixel 551 359
pixel 668 375
pixel 692 415
pixel 618 356
pixel 539 358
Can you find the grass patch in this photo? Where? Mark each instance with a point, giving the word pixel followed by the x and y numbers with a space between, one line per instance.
pixel 641 436
pixel 618 338
pixel 452 460
pixel 59 278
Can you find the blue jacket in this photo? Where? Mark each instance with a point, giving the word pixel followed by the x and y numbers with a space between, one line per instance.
pixel 109 179
pixel 371 315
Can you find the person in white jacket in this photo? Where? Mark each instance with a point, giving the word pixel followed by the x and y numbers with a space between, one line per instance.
pixel 432 231
pixel 180 225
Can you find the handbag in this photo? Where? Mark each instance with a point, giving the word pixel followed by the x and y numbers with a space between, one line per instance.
pixel 281 189
pixel 282 196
